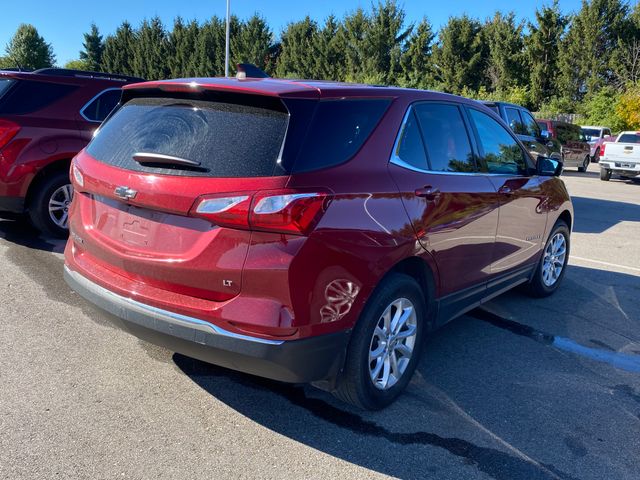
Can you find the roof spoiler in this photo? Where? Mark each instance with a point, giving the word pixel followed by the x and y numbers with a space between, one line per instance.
pixel 249 70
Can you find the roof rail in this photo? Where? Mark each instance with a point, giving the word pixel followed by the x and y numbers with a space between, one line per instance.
pixel 15 69
pixel 66 72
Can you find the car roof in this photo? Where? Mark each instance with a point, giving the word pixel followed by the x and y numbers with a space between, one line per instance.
pixel 595 127
pixel 506 104
pixel 64 75
pixel 276 87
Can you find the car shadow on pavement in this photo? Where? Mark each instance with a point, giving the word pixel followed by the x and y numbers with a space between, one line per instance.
pixel 22 233
pixel 596 216
pixel 486 385
pixel 574 173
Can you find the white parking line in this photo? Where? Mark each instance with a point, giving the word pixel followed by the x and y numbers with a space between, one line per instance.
pixel 598 262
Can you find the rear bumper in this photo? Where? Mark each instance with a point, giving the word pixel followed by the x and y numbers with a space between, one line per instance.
pixel 315 359
pixel 621 167
pixel 12 204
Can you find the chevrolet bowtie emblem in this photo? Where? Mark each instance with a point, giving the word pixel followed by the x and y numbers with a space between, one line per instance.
pixel 125 193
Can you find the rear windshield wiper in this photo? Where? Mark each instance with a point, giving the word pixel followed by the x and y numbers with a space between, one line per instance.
pixel 145 158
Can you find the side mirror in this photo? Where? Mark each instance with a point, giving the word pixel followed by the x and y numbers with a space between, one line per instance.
pixel 545 134
pixel 548 167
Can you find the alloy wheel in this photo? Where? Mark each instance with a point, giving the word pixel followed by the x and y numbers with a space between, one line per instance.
pixel 392 343
pixel 554 259
pixel 59 203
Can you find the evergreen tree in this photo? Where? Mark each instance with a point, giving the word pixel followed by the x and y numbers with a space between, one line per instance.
pixel 416 61
pixel 459 56
pixel 383 43
pixel 542 51
pixel 354 31
pixel 182 44
pixel 586 53
pixel 505 63
pixel 252 42
pixel 296 58
pixel 150 59
pixel 330 61
pixel 119 50
pixel 93 49
pixel 28 50
pixel 210 48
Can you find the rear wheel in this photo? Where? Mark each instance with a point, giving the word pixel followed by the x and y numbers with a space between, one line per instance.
pixel 585 164
pixel 605 174
pixel 596 155
pixel 49 206
pixel 553 262
pixel 385 345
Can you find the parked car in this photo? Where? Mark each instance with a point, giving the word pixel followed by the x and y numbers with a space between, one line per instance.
pixel 596 136
pixel 569 140
pixel 522 123
pixel 621 157
pixel 308 231
pixel 46 118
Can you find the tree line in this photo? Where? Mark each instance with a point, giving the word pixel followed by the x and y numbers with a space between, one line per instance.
pixel 587 62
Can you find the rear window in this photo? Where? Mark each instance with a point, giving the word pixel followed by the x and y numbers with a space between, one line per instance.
pixel 337 131
pixel 28 96
pixel 629 138
pixel 226 139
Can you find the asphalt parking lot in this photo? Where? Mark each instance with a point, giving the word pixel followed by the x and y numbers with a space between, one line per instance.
pixel 526 389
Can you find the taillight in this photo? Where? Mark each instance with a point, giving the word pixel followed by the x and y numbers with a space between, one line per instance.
pixel 272 211
pixel 602 149
pixel 8 130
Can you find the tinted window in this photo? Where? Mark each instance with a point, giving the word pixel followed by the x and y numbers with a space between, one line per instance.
pixel 591 134
pixel 338 129
pixel 542 126
pixel 629 138
pixel 102 105
pixel 607 132
pixel 530 125
pixel 445 137
pixel 568 133
pixel 493 107
pixel 514 121
pixel 29 96
pixel 5 83
pixel 502 154
pixel 410 148
pixel 228 139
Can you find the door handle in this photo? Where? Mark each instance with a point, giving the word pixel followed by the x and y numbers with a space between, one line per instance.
pixel 428 192
pixel 505 190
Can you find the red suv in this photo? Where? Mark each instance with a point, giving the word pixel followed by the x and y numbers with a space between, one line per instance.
pixel 46 118
pixel 308 231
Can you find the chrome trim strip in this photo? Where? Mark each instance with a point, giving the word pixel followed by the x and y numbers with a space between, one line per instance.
pixel 89 103
pixel 160 314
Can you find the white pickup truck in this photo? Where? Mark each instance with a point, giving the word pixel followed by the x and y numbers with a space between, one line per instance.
pixel 621 157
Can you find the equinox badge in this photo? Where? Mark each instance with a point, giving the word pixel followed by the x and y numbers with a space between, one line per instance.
pixel 125 193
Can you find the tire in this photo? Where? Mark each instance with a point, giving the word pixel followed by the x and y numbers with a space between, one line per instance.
pixel 546 279
pixel 585 164
pixel 356 384
pixel 605 175
pixel 54 188
pixel 596 156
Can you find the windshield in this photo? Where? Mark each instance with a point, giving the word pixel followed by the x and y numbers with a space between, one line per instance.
pixel 591 134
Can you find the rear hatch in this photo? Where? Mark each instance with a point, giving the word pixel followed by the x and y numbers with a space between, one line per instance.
pixel 625 151
pixel 165 176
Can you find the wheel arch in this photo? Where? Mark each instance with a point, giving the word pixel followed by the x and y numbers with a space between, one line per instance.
pixel 565 216
pixel 55 167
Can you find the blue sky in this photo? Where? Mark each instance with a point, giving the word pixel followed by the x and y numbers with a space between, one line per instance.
pixel 62 22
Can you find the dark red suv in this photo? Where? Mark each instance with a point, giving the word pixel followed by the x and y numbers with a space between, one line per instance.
pixel 308 231
pixel 46 118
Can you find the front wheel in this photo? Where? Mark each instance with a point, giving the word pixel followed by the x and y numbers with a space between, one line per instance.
pixel 585 164
pixel 49 206
pixel 385 345
pixel 552 265
pixel 605 174
pixel 596 156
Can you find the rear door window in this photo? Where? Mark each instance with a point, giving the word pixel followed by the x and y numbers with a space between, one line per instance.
pixel 98 108
pixel 410 149
pixel 501 153
pixel 337 131
pixel 5 83
pixel 222 139
pixel 445 137
pixel 28 96
pixel 514 121
pixel 529 125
